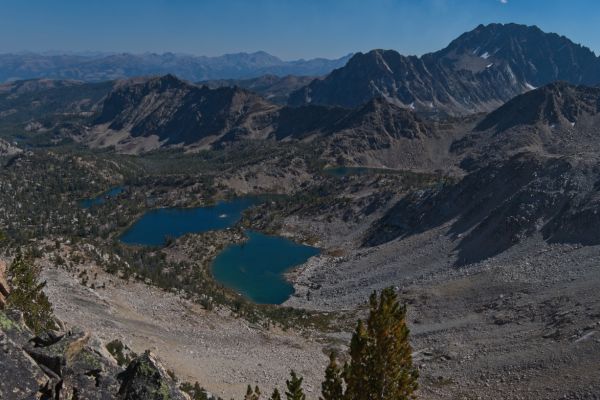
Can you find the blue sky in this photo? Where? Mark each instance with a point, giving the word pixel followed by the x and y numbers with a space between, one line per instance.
pixel 289 29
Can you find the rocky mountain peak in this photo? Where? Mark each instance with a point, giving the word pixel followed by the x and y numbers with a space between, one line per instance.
pixel 478 71
pixel 532 55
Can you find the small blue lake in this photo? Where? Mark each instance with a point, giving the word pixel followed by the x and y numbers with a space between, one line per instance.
pixel 100 199
pixel 340 172
pixel 157 225
pixel 255 268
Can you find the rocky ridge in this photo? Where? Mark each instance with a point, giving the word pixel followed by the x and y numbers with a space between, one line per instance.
pixel 174 113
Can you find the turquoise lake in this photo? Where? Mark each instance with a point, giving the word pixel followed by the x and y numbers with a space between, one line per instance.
pixel 255 268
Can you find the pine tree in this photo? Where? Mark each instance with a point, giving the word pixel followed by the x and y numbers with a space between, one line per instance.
pixel 252 394
pixel 256 393
pixel 276 395
pixel 381 357
pixel 249 393
pixel 27 294
pixel 294 388
pixel 356 374
pixel 332 388
pixel 199 392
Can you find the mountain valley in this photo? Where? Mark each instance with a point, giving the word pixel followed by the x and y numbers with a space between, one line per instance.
pixel 466 179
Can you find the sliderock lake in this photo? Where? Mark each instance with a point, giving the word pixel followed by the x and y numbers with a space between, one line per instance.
pixel 254 268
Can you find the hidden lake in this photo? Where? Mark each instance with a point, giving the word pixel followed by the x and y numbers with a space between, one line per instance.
pixel 254 268
pixel 101 198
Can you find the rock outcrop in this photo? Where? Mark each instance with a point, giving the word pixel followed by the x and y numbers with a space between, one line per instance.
pixel 146 379
pixel 73 365
pixel 7 149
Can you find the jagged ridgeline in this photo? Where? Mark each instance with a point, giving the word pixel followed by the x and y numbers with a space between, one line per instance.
pixel 478 71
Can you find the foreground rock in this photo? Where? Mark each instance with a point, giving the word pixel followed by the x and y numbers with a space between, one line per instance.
pixel 73 365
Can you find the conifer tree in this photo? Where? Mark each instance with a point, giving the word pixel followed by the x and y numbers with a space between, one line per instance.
pixel 332 388
pixel 381 357
pixel 252 394
pixel 276 395
pixel 27 294
pixel 294 387
pixel 356 374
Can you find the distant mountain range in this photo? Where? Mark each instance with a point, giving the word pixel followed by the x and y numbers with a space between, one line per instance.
pixel 478 71
pixel 529 167
pixel 102 67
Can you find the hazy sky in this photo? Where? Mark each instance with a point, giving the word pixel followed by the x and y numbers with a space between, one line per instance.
pixel 286 28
